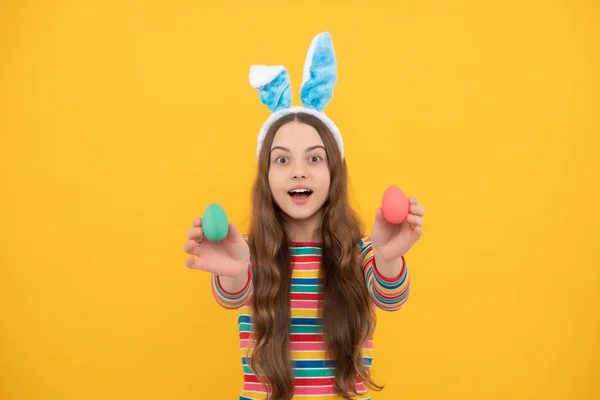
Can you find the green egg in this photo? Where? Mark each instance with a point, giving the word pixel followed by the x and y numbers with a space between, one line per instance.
pixel 214 223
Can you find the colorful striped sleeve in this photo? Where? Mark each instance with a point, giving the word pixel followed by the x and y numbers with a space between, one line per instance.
pixel 388 294
pixel 228 300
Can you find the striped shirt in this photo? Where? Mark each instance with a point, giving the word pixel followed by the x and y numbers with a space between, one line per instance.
pixel 313 370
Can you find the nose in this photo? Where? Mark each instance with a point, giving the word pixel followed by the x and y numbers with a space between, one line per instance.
pixel 299 171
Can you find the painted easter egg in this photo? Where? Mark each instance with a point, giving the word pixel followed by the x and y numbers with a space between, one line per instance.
pixel 394 205
pixel 215 223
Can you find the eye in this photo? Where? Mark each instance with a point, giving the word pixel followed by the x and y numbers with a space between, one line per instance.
pixel 315 159
pixel 281 160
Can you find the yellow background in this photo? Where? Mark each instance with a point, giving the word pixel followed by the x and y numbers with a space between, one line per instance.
pixel 120 121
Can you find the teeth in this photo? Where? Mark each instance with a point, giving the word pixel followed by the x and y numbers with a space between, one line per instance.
pixel 300 191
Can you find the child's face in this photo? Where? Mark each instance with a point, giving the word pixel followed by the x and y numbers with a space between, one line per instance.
pixel 299 171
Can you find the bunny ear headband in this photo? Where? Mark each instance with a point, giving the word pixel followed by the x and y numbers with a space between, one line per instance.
pixel 319 78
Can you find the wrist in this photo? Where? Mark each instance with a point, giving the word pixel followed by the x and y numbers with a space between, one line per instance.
pixel 388 269
pixel 234 284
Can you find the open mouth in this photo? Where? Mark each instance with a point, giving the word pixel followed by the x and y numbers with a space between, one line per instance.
pixel 300 194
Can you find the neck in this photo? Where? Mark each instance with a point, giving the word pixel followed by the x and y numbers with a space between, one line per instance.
pixel 305 230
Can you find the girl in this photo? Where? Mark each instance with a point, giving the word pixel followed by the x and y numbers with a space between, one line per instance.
pixel 306 281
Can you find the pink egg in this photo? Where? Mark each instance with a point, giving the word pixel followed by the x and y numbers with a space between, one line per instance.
pixel 394 205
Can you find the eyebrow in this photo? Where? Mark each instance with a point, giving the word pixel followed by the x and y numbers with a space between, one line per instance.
pixel 311 148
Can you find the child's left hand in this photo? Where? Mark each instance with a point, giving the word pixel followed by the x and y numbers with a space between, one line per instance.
pixel 394 240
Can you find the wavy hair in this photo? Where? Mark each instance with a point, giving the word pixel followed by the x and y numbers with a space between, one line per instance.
pixel 348 318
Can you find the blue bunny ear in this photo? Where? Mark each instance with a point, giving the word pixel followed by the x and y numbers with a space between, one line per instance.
pixel 320 73
pixel 273 84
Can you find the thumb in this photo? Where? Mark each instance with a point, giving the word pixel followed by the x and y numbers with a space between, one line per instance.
pixel 381 224
pixel 379 219
pixel 234 235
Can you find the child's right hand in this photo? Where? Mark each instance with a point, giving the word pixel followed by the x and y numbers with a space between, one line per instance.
pixel 229 257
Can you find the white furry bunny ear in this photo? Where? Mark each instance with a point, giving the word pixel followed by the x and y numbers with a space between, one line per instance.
pixel 319 78
pixel 273 84
pixel 320 73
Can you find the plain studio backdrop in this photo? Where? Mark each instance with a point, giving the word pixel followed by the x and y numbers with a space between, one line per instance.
pixel 121 121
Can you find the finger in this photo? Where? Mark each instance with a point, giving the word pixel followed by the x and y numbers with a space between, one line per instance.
pixel 418 232
pixel 189 262
pixel 414 220
pixel 417 210
pixel 196 234
pixel 197 222
pixel 193 263
pixel 191 247
pixel 412 200
pixel 379 214
pixel 234 235
pixel 380 221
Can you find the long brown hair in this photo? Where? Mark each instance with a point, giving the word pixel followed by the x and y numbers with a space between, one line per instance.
pixel 348 318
